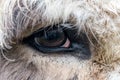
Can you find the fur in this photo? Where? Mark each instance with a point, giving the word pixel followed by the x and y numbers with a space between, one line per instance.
pixel 99 19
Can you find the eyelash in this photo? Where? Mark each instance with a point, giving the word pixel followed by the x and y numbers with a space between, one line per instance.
pixel 58 39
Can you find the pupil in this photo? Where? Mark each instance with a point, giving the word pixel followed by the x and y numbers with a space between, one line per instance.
pixel 51 35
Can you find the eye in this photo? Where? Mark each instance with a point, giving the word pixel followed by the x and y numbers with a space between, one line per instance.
pixel 54 39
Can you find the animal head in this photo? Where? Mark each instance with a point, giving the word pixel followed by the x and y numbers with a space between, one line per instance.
pixel 59 40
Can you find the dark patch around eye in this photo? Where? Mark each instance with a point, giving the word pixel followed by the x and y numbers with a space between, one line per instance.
pixel 79 44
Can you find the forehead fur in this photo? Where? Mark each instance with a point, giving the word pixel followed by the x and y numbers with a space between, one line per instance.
pixel 17 15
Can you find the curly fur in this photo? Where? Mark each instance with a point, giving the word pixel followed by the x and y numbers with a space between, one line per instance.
pixel 99 19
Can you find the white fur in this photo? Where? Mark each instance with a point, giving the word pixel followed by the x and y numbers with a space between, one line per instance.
pixel 100 17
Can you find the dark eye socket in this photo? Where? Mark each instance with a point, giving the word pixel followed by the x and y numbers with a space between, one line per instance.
pixel 58 39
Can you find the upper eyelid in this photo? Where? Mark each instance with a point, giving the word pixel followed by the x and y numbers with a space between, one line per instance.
pixel 42 30
pixel 39 32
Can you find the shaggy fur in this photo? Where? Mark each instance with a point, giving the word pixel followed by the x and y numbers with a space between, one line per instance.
pixel 99 19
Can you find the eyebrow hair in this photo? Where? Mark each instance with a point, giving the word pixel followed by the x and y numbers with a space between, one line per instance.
pixel 24 14
pixel 16 16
